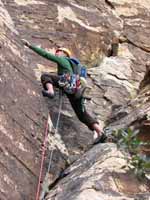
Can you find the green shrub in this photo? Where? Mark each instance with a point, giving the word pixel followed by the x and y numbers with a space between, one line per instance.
pixel 130 144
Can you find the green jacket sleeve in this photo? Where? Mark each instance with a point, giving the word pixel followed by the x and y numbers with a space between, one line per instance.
pixel 63 64
pixel 45 54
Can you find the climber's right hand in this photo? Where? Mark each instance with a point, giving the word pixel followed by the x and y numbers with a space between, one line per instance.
pixel 25 42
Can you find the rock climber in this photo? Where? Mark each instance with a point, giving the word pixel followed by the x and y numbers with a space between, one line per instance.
pixel 50 81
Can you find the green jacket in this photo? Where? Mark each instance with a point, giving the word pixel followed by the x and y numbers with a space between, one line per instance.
pixel 63 65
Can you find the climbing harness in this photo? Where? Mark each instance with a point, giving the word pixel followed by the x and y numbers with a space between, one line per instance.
pixel 69 83
pixel 72 84
pixel 38 196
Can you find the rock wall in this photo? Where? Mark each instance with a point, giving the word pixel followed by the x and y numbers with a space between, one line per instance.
pixel 119 81
pixel 99 174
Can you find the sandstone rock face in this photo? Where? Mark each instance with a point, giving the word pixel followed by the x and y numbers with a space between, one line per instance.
pixel 99 175
pixel 120 88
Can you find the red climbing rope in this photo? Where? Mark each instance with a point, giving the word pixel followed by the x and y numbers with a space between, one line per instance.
pixel 42 160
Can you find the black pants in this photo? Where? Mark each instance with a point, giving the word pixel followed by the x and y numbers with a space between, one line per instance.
pixel 76 103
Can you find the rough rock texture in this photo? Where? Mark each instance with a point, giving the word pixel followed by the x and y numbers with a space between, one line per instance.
pixel 99 174
pixel 120 84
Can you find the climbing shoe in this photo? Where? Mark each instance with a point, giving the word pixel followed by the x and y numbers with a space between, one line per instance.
pixel 99 138
pixel 46 94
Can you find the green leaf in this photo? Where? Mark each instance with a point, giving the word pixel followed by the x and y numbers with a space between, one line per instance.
pixel 146 165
